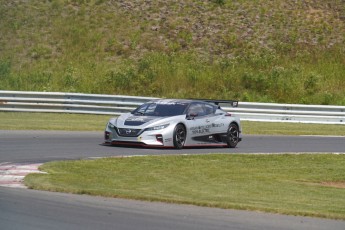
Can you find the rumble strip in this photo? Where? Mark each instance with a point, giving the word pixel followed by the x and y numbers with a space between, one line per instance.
pixel 12 175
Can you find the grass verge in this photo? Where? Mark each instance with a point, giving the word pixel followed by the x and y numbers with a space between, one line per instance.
pixel 52 121
pixel 305 184
pixel 82 122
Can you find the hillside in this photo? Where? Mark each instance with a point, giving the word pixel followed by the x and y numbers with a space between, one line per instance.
pixel 252 50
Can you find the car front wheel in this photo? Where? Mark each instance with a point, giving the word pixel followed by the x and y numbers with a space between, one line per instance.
pixel 179 136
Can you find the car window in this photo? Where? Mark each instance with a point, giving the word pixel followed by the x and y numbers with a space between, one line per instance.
pixel 209 109
pixel 141 110
pixel 151 109
pixel 201 109
pixel 161 109
pixel 197 108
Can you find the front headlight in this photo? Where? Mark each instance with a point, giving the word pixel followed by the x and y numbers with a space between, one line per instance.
pixel 158 127
pixel 111 126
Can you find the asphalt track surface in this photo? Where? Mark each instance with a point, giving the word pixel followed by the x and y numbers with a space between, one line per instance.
pixel 28 209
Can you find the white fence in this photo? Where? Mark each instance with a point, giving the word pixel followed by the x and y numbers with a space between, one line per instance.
pixel 20 101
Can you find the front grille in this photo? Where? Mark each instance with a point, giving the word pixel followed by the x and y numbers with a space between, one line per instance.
pixel 128 132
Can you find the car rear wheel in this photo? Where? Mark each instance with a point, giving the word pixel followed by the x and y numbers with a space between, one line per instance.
pixel 233 136
pixel 179 136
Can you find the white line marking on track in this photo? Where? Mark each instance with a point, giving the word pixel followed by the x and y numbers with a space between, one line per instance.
pixel 329 136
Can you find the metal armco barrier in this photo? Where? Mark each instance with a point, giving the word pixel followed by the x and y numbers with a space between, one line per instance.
pixel 21 101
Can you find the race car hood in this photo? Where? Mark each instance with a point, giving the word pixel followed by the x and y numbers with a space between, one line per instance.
pixel 138 120
pixel 131 120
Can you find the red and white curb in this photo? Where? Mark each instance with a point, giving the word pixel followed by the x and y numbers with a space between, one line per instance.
pixel 12 175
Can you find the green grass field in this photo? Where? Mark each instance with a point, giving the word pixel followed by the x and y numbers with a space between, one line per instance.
pixel 306 184
pixel 262 51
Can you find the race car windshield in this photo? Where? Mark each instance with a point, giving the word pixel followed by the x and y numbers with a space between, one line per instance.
pixel 161 109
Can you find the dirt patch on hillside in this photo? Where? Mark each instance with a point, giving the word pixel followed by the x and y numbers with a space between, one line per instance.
pixel 339 184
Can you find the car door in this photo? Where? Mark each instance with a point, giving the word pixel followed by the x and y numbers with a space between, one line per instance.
pixel 216 122
pixel 199 124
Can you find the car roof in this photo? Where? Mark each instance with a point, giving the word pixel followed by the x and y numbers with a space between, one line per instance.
pixel 165 101
pixel 179 101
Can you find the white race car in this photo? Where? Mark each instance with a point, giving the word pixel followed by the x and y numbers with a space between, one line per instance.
pixel 176 124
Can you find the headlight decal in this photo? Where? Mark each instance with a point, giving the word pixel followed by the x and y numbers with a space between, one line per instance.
pixel 111 126
pixel 158 127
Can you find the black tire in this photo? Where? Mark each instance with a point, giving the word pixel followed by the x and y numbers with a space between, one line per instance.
pixel 179 136
pixel 232 135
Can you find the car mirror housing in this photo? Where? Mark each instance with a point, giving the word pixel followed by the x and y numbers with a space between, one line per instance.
pixel 191 116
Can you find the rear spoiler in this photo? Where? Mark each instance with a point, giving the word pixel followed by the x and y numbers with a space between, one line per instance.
pixel 233 103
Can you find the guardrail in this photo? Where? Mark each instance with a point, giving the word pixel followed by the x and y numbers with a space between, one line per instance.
pixel 21 101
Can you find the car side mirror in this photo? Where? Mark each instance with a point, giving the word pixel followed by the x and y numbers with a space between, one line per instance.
pixel 191 116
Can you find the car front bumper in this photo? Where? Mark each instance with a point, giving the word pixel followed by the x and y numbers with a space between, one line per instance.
pixel 155 138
